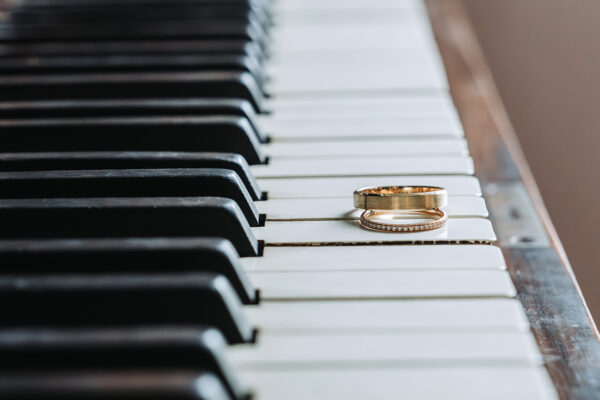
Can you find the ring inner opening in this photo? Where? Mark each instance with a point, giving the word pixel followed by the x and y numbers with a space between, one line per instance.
pixel 401 190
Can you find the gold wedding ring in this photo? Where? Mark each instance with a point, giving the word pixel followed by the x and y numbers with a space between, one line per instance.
pixel 439 219
pixel 401 201
pixel 400 198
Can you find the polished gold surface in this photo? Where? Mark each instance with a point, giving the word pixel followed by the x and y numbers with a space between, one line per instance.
pixel 400 198
pixel 369 220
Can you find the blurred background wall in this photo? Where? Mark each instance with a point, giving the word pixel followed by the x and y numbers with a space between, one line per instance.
pixel 545 58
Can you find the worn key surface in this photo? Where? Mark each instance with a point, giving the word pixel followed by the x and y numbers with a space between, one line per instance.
pixel 128 217
pixel 111 384
pixel 95 160
pixel 138 347
pixel 219 84
pixel 169 133
pixel 126 255
pixel 181 182
pixel 125 299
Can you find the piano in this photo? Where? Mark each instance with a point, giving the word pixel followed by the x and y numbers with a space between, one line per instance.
pixel 176 213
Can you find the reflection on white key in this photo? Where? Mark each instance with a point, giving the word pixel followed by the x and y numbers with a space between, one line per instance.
pixel 471 230
pixel 388 383
pixel 286 188
pixel 274 351
pixel 388 316
pixel 369 129
pixel 303 258
pixel 382 284
pixel 365 166
pixel 341 208
pixel 378 148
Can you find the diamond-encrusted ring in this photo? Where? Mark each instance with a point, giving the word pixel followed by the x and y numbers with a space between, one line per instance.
pixel 438 219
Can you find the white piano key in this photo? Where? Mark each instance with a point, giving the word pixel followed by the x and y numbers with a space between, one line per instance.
pixel 275 351
pixel 374 123
pixel 287 18
pixel 292 6
pixel 370 129
pixel 457 230
pixel 381 284
pixel 377 76
pixel 358 106
pixel 379 148
pixel 388 37
pixel 285 188
pixel 349 112
pixel 341 208
pixel 299 18
pixel 441 382
pixel 305 258
pixel 412 21
pixel 300 15
pixel 343 58
pixel 365 166
pixel 388 316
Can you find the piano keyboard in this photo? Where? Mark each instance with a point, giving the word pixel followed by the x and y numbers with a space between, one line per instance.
pixel 177 221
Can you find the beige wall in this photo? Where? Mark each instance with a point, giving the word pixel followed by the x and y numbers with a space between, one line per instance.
pixel 545 57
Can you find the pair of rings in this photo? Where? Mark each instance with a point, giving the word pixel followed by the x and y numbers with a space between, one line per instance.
pixel 384 202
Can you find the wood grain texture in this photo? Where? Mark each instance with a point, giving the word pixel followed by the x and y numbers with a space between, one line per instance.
pixel 543 277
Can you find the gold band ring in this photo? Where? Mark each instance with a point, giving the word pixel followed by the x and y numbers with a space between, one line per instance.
pixel 400 198
pixel 439 219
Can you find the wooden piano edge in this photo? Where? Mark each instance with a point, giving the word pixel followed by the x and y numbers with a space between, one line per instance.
pixel 546 285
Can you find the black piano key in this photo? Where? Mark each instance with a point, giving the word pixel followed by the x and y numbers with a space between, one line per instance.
pixel 114 31
pixel 131 108
pixel 172 133
pixel 138 63
pixel 112 385
pixel 25 14
pixel 127 255
pixel 135 299
pixel 77 12
pixel 138 47
pixel 138 347
pixel 70 3
pixel 260 7
pixel 131 160
pixel 128 217
pixel 180 182
pixel 223 84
